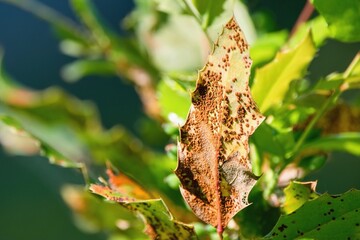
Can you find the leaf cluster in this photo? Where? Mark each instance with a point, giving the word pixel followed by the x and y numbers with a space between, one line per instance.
pixel 167 43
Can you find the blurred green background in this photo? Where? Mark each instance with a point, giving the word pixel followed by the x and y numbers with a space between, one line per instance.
pixel 30 203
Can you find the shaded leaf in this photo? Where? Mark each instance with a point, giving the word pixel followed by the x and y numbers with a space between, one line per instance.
pixel 327 217
pixel 347 142
pixel 55 156
pixel 259 218
pixel 213 164
pixel 272 81
pixel 298 193
pixel 313 162
pixel 343 19
pixel 159 222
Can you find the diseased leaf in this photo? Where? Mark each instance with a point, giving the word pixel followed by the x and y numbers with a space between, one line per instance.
pixel 213 164
pixel 160 224
pixel 327 217
pixel 298 193
pixel 272 81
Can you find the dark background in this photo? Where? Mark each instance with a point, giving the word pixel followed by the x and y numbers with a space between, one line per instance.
pixel 30 202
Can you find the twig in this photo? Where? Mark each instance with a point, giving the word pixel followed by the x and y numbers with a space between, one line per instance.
pixel 333 98
pixel 303 17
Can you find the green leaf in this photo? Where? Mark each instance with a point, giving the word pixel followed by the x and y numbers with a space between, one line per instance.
pixel 173 100
pixel 82 68
pixel 347 142
pixel 327 217
pixel 265 138
pixel 160 224
pixel 313 162
pixel 265 48
pixel 298 193
pixel 55 156
pixel 352 74
pixel 272 81
pixel 342 17
pixel 318 28
pixel 209 10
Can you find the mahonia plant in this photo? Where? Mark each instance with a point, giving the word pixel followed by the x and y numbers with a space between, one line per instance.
pixel 211 181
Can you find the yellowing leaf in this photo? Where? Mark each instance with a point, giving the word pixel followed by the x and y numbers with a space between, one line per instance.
pixel 272 81
pixel 213 165
pixel 298 193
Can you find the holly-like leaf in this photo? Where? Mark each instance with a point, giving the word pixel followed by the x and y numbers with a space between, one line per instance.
pixel 298 193
pixel 213 164
pixel 327 217
pixel 160 224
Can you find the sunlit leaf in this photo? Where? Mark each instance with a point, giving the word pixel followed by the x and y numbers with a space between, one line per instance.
pixel 272 81
pixel 327 217
pixel 213 163
pixel 265 48
pixel 298 193
pixel 174 101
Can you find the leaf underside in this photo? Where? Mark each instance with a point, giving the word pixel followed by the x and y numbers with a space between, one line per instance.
pixel 213 152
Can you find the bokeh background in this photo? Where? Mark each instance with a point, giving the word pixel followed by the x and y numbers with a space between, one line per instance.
pixel 30 203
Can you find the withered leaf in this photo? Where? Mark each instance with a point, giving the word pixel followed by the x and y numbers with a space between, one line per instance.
pixel 213 152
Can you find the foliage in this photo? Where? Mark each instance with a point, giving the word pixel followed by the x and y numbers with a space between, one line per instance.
pixel 168 43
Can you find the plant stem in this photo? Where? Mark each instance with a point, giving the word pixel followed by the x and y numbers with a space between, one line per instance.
pixel 303 17
pixel 332 99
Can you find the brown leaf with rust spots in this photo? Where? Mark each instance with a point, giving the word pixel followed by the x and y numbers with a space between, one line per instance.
pixel 213 152
pixel 126 186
